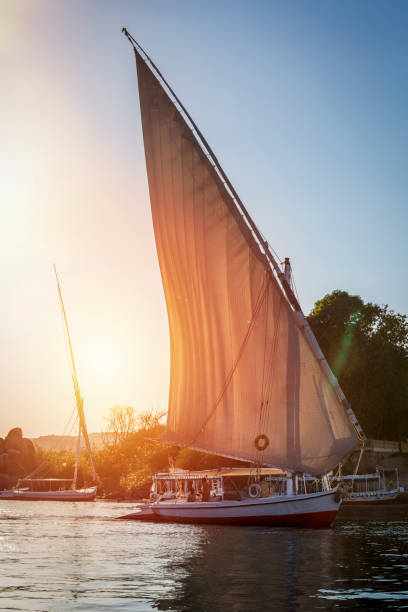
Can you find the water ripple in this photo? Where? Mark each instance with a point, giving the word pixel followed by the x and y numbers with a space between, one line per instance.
pixel 75 557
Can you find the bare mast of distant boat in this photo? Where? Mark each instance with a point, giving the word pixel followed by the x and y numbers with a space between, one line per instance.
pixel 79 399
pixel 32 489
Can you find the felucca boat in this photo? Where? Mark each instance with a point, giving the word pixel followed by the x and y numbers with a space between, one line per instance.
pixel 372 488
pixel 375 488
pixel 248 379
pixel 32 488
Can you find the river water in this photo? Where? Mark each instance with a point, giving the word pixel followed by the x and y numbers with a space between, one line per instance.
pixel 66 556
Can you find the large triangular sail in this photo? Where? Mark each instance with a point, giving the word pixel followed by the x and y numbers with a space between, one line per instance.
pixel 246 377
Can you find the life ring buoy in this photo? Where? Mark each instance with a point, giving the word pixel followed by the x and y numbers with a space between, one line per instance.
pixel 254 490
pixel 261 442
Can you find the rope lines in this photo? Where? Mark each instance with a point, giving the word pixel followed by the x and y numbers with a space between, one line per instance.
pixel 258 304
pixel 269 376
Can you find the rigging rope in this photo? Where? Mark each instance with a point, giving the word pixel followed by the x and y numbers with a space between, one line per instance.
pixel 267 384
pixel 259 302
pixel 69 422
pixel 292 278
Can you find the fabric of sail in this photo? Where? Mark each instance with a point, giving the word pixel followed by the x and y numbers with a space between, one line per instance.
pixel 240 365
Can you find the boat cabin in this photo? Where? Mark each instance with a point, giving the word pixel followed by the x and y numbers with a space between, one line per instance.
pixel 44 484
pixel 232 484
pixel 374 484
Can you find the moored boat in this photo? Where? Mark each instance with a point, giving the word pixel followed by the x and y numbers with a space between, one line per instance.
pixel 373 488
pixel 48 489
pixel 33 488
pixel 248 380
pixel 240 496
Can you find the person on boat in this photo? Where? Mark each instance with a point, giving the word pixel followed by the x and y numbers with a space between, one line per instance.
pixel 205 490
pixel 264 488
pixel 191 493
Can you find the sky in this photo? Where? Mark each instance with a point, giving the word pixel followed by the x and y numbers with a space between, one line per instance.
pixel 304 104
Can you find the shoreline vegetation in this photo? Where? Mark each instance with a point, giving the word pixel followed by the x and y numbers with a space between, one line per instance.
pixel 367 348
pixel 131 453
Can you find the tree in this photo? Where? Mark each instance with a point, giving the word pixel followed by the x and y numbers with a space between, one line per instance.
pixel 121 422
pixel 367 347
pixel 132 450
pixel 150 419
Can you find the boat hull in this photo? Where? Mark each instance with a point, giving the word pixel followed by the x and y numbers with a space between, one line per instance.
pixel 88 494
pixel 313 510
pixel 388 497
pixel 144 513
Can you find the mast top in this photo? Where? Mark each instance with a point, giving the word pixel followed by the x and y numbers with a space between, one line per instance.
pixel 136 45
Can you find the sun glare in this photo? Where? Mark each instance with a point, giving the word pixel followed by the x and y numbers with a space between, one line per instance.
pixel 101 360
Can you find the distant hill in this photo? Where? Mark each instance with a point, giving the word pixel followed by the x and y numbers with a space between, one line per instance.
pixel 58 443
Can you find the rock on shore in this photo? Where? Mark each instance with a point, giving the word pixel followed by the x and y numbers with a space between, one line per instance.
pixel 17 457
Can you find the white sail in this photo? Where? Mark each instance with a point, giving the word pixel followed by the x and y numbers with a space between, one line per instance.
pixel 241 364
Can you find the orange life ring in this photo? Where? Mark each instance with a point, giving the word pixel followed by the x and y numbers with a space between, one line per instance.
pixel 261 442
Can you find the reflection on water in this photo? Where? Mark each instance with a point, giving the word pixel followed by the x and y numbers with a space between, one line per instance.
pixel 66 556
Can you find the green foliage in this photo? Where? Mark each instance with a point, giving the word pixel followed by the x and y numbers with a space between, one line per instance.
pixel 137 481
pixel 60 464
pixel 131 455
pixel 127 460
pixel 367 347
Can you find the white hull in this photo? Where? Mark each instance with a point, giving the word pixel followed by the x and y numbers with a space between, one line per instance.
pixel 310 510
pixel 88 494
pixel 372 497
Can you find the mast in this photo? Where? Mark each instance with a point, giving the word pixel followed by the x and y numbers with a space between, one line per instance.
pixel 78 397
pixel 264 251
pixel 78 450
pixel 287 270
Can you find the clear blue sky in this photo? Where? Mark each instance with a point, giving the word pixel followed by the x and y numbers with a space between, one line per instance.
pixel 305 105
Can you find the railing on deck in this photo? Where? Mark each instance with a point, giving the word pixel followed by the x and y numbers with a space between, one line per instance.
pixel 386 446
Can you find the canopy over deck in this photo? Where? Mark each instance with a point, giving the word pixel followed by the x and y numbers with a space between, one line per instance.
pixel 217 473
